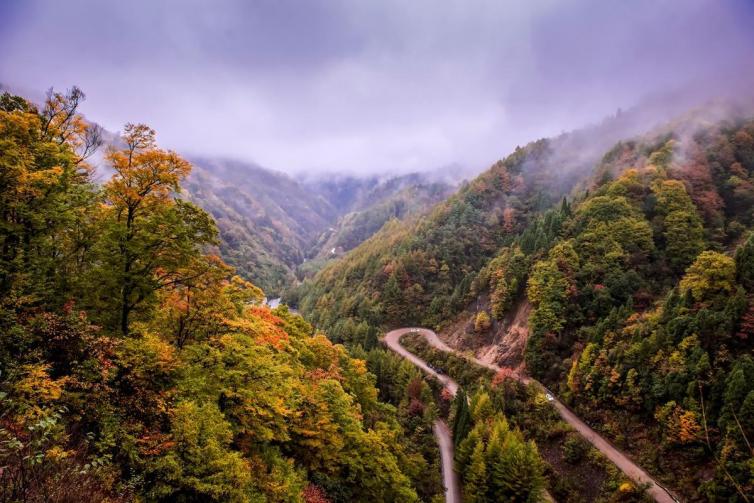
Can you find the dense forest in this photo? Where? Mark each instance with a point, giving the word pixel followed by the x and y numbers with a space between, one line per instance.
pixel 134 366
pixel 423 270
pixel 643 304
pixel 274 229
pixel 640 277
pixel 539 450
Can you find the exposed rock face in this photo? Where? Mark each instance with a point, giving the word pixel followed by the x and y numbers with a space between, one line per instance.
pixel 504 344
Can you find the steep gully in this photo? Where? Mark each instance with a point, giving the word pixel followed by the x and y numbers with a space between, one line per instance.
pixel 631 469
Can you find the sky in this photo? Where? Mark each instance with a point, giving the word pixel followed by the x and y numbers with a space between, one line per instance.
pixel 363 87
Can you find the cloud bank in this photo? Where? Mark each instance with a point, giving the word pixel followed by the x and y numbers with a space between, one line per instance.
pixel 370 87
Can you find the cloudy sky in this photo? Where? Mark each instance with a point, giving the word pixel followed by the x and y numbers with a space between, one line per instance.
pixel 369 86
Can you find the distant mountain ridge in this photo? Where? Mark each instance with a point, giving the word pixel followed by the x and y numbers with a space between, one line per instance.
pixel 271 223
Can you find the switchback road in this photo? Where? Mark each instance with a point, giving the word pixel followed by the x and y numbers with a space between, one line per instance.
pixel 631 469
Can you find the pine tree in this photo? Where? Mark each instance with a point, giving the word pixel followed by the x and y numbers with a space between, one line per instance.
pixel 475 477
pixel 462 419
pixel 745 264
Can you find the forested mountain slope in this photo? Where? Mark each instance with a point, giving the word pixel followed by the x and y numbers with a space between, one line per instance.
pixel 639 280
pixel 271 223
pixel 422 271
pixel 391 202
pixel 643 306
pixel 642 303
pixel 266 219
pixel 134 367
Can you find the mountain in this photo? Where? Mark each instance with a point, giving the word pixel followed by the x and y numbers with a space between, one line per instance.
pixel 619 275
pixel 433 259
pixel 266 219
pixel 356 226
pixel 271 223
pixel 138 367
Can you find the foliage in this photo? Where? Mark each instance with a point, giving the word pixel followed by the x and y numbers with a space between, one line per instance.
pixel 137 367
pixel 711 274
pixel 424 271
pixel 655 324
pixel 640 311
pixel 482 322
pixel 502 465
pixel 274 228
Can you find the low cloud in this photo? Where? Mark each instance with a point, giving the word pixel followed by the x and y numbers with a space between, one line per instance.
pixel 364 87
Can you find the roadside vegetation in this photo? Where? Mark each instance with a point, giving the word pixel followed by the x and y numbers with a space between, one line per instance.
pixel 570 468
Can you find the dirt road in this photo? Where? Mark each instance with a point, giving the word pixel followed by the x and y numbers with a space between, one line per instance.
pixel 442 433
pixel 450 480
pixel 631 469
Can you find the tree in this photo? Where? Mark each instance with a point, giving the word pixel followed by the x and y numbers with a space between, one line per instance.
pixel 711 273
pixel 516 471
pixel 201 465
pixel 62 123
pixel 200 305
pixel 475 477
pixel 683 237
pixel 462 417
pixel 482 322
pixel 680 223
pixel 745 263
pixel 392 298
pixel 151 237
pixel 44 196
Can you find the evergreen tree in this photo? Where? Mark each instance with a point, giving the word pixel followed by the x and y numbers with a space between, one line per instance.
pixel 745 263
pixel 475 477
pixel 462 418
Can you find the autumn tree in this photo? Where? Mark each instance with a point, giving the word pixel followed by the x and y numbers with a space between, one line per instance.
pixel 151 236
pixel 44 196
pixel 200 306
pixel 712 273
pixel 62 124
pixel 482 322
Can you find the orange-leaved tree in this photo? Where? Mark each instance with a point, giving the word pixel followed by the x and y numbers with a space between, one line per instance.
pixel 151 235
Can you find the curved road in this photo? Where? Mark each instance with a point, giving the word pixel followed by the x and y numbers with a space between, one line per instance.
pixel 631 469
pixel 441 430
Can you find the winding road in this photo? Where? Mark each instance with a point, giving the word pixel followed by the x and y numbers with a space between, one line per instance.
pixel 631 469
pixel 441 430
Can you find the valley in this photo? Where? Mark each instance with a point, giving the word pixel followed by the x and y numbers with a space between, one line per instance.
pixel 277 230
pixel 579 294
pixel 377 252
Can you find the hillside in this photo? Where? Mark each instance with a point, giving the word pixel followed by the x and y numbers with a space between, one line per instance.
pixel 643 306
pixel 266 219
pixel 388 201
pixel 135 367
pixel 638 303
pixel 422 271
pixel 271 223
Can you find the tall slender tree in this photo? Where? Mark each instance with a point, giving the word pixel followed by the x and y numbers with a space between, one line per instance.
pixel 151 235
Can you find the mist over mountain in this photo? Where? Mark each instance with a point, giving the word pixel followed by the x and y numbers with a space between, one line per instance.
pixel 271 224
pixel 362 88
pixel 377 251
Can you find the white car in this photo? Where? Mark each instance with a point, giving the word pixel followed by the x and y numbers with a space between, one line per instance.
pixel 549 397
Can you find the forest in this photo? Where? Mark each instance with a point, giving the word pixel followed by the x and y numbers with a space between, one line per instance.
pixel 274 228
pixel 135 366
pixel 640 278
pixel 377 252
